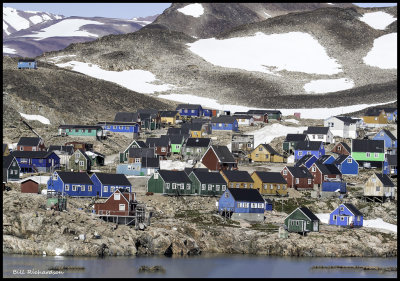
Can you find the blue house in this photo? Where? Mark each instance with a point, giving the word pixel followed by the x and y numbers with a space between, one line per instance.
pixel 306 160
pixel 190 110
pixel 326 159
pixel 207 112
pixel 302 148
pixel 242 203
pixel 120 127
pixel 389 139
pixel 27 64
pixel 391 113
pixel 346 165
pixel 105 184
pixel 390 165
pixel 76 184
pixel 146 167
pixel 37 161
pixel 224 123
pixel 268 204
pixel 346 215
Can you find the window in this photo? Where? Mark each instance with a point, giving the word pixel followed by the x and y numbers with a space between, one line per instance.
pixel 334 217
pixel 129 167
pixel 320 136
pixel 265 186
pixel 112 188
pixel 341 208
pixel 203 186
pixel 21 148
pixel 368 155
pixel 237 185
pixel 156 176
pixel 278 186
pixel 76 130
pixel 285 172
pixel 89 188
pixel 376 155
pixel 349 160
pixel 163 149
pixel 378 188
pixel 137 160
pixel 260 148
pixel 341 218
pixel 226 194
pixel 309 181
pixel 89 130
pixel 249 145
pixel 223 187
pixel 251 185
pixel 193 111
pixel 308 152
pixel 313 136
pixel 339 148
pixel 210 187
pixel 313 169
pixel 297 180
pixel 74 187
pixel 115 127
pixel 217 187
pixel 284 186
pixel 55 177
pixel 239 205
pixel 271 186
pixel 256 155
pixel 182 186
pixel 220 124
pixel 245 185
pixel 297 222
pixel 122 207
pixel 67 187
pixel 81 163
pixel 358 218
pixel 376 118
pixel 260 205
pixel 325 177
pixel 33 148
pixel 174 186
pixel 105 188
pixel 82 188
pixel 300 153
pixel 188 186
pixel 167 185
pixel 231 184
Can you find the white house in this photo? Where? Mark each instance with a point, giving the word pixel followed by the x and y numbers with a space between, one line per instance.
pixel 343 126
pixel 244 120
pixel 323 134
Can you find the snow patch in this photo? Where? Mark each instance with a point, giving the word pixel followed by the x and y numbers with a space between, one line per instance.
pixel 8 50
pixel 10 15
pixel 39 118
pixel 269 132
pixel 378 20
pixel 194 10
pixel 384 52
pixel 39 179
pixel 292 121
pixel 65 28
pixel 328 85
pixel 308 113
pixel 59 251
pixel 36 19
pixel 293 51
pixel 173 165
pixel 135 80
pixel 268 15
pixel 5 27
pixel 56 59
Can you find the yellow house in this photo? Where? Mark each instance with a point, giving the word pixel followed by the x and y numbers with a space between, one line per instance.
pixel 270 183
pixel 196 130
pixel 265 153
pixel 6 151
pixel 169 117
pixel 375 116
pixel 237 179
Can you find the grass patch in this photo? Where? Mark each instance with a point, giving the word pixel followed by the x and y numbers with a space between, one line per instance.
pixel 267 227
pixel 292 204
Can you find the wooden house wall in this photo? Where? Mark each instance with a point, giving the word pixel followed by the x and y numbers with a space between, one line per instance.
pixel 29 187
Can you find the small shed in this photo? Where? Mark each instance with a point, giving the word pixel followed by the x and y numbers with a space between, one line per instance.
pixel 30 186
pixel 297 115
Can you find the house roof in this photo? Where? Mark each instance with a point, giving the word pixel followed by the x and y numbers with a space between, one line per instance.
pixel 84 154
pixel 296 137
pixel 148 111
pixel 141 152
pixel 308 145
pixel 32 154
pixel 189 170
pixel 177 131
pixel 192 126
pixel 69 149
pixel 29 141
pixel 352 209
pixel 327 169
pixel 176 139
pixel 209 177
pixel 323 158
pixel 117 179
pixel 340 159
pixel 385 180
pixel 188 106
pixel 388 133
pixel 270 177
pixel 263 111
pixel 174 176
pixel 345 145
pixel 392 160
pixel 389 109
pixel 269 149
pixel 242 116
pixel 223 119
pixel 75 177
pixel 365 145
pixel 95 127
pixel 246 194
pixel 126 117
pixel 200 120
pixel 300 172
pixel 238 176
pixel 317 130
pixel 150 162
pixel 223 153
pixel 373 112
pixel 7 160
pixel 168 113
pixel 305 159
pixel 157 142
pixel 125 123
pixel 347 119
pixel 26 60
pixel 198 142
pixel 308 213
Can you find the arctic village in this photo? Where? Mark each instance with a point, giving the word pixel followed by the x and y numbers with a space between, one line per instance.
pixel 180 174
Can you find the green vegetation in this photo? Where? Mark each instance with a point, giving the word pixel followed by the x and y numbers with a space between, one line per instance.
pixel 205 219
pixel 266 227
pixel 291 204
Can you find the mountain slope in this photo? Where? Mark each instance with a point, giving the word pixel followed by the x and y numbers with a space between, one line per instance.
pixel 207 20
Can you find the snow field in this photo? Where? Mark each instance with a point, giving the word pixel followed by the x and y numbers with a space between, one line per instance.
pixel 378 20
pixel 384 52
pixel 269 132
pixel 293 51
pixel 292 121
pixel 194 10
pixel 135 80
pixel 173 165
pixel 328 85
pixel 10 16
pixel 8 50
pixel 39 118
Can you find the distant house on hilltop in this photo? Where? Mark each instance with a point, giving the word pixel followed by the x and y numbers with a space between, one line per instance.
pixel 27 64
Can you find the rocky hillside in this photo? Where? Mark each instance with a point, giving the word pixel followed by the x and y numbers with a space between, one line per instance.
pixel 207 20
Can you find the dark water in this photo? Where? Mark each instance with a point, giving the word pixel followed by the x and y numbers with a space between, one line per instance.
pixel 206 266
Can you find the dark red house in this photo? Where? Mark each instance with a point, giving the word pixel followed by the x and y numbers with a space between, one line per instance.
pixel 321 172
pixel 118 204
pixel 297 177
pixel 218 157
pixel 29 186
pixel 341 148
pixel 162 145
pixel 31 144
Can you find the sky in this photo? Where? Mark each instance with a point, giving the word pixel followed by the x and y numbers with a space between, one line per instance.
pixel 114 10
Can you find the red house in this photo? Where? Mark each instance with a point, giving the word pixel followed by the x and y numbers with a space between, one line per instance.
pixel 29 186
pixel 162 145
pixel 218 157
pixel 118 204
pixel 341 148
pixel 297 177
pixel 321 172
pixel 31 144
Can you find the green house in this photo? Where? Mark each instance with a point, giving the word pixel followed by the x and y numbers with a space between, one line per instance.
pixel 302 220
pixel 124 155
pixel 80 131
pixel 79 161
pixel 170 182
pixel 207 183
pixel 11 169
pixel 368 153
pixel 177 142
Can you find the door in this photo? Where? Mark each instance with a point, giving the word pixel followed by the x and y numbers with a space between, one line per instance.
pixel 315 226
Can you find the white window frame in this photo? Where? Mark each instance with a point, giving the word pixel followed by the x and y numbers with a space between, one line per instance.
pixel 137 160
pixel 341 209
pixel 167 185
pixel 245 185
pixel 82 187
pixel 105 188
pixel 265 186
pixel 278 186
pixel 271 186
pixel 368 155
pixel 163 149
pixel 284 172
pixel 173 185
pixel 226 194
pixel 182 186
pixel 81 163
pixel 217 187
pixel 129 167
pixel 203 186
pixel 237 185
pixel 188 186
pixel 231 184
pixel 341 218
pixel 349 160
pixel 121 207
pixel 55 176
pixel 74 187
pixel 325 177
pixel 66 187
pixel 313 169
pixel 283 186
pixel 300 153
pixel 209 187
pixel 334 217
pixel 309 181
pixel 297 180
pixel 378 188
pixel 223 187
pixel 261 205
pixel 112 189
pixel 376 155
pixel 89 188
